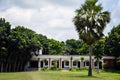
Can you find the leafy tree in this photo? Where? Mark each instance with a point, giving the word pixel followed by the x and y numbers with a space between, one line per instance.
pixel 98 50
pixel 4 33
pixel 22 42
pixel 90 22
pixel 55 47
pixel 112 44
pixel 75 47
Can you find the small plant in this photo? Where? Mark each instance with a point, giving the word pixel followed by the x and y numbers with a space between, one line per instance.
pixel 72 69
pixel 81 58
pixel 54 67
pixel 105 65
pixel 71 58
pixel 44 69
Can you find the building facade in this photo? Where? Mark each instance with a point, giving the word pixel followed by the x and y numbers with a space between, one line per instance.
pixel 66 61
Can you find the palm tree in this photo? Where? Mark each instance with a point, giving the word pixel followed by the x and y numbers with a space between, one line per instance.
pixel 90 22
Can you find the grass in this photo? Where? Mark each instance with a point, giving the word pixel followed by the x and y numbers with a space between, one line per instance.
pixel 59 75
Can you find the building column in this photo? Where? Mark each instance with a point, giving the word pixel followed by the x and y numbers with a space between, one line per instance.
pixel 71 63
pixel 60 63
pixel 39 63
pixel 102 64
pixel 49 63
pixel 81 64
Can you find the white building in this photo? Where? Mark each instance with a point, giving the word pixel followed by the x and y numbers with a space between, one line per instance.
pixel 66 61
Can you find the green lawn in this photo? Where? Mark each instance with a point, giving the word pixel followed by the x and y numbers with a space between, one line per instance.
pixel 58 75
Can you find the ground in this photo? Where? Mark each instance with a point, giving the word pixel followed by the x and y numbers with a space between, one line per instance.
pixel 59 75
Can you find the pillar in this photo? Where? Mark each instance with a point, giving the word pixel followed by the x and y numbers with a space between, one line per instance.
pixel 81 64
pixel 70 64
pixel 49 63
pixel 39 63
pixel 60 63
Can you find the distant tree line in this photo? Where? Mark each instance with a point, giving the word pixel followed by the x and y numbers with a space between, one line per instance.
pixel 16 45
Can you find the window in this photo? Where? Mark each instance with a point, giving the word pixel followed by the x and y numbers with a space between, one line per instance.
pixel 87 63
pixel 66 63
pixel 95 63
pixel 74 63
pixel 46 62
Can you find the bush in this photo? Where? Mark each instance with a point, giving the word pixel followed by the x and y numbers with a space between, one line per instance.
pixel 44 69
pixel 105 65
pixel 72 69
pixel 53 68
pixel 78 69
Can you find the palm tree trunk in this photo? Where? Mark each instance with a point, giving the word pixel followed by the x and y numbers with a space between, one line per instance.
pixel 90 59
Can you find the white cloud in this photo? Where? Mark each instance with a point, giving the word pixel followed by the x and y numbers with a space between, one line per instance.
pixel 17 16
pixel 52 18
pixel 116 14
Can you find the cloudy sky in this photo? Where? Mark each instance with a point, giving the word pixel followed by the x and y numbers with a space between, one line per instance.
pixel 52 18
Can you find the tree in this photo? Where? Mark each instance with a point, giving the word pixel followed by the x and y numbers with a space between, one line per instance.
pixel 22 42
pixel 112 44
pixel 98 51
pixel 4 33
pixel 75 47
pixel 90 22
pixel 55 47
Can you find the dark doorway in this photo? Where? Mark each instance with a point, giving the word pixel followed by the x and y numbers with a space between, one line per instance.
pixel 34 64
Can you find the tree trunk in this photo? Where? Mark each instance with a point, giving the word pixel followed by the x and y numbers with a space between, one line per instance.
pixel 90 59
pixel 98 67
pixel 6 70
pixel 1 67
pixel 14 69
pixel 18 67
pixel 9 67
pixel 21 67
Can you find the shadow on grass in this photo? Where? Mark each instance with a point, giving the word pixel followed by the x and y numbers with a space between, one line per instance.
pixel 112 71
pixel 82 76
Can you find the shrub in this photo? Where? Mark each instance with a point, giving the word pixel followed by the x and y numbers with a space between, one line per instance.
pixel 106 65
pixel 44 69
pixel 72 69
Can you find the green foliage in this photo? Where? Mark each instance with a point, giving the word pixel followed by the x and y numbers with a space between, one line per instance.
pixel 105 65
pixel 78 69
pixel 72 69
pixel 75 47
pixel 55 47
pixel 44 69
pixel 118 63
pixel 90 22
pixel 54 66
pixel 112 45
pixel 81 58
pixel 98 49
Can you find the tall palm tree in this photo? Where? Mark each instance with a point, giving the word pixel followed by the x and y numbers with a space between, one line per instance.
pixel 90 22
